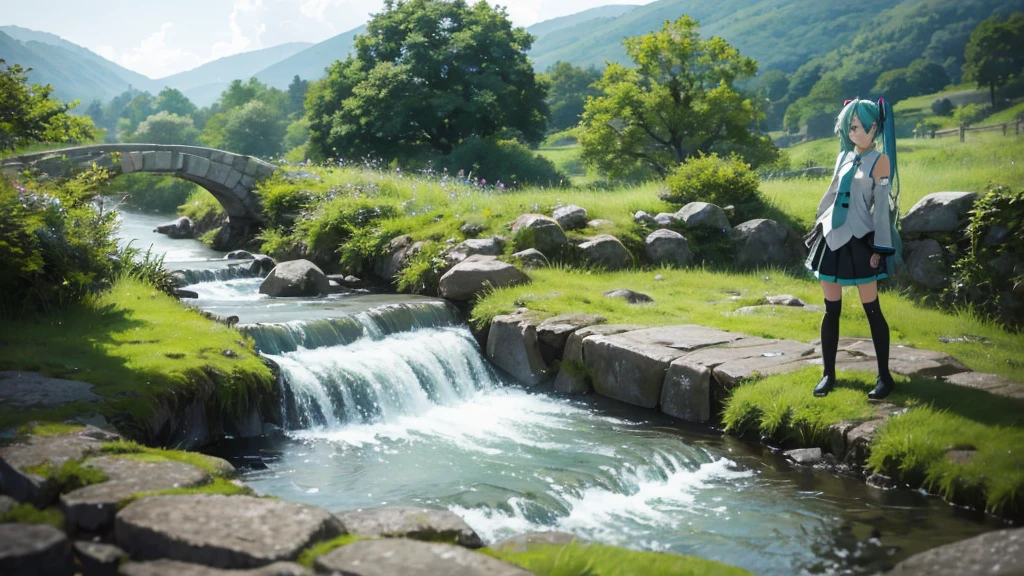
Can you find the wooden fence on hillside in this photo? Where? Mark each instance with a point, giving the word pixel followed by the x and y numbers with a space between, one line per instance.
pixel 962 130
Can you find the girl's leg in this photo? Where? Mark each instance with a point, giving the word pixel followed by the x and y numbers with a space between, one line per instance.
pixel 879 337
pixel 829 336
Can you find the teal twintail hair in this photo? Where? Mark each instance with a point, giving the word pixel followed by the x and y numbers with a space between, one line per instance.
pixel 869 113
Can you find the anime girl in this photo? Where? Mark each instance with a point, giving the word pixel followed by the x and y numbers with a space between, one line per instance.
pixel 855 242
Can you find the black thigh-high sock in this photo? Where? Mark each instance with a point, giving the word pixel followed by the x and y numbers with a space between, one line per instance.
pixel 830 336
pixel 879 337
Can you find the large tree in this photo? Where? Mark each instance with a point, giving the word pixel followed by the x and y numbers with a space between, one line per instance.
pixel 677 102
pixel 28 113
pixel 995 52
pixel 166 128
pixel 568 89
pixel 427 75
pixel 172 101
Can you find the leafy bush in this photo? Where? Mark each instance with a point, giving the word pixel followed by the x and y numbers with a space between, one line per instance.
pixel 989 275
pixel 968 114
pixel 720 181
pixel 504 160
pixel 55 245
pixel 942 107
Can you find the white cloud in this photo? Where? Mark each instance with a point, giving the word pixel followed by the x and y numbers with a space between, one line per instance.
pixel 239 41
pixel 154 57
pixel 315 8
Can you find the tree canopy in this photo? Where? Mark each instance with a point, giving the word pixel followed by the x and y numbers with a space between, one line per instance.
pixel 995 52
pixel 677 102
pixel 568 89
pixel 166 128
pixel 427 75
pixel 28 113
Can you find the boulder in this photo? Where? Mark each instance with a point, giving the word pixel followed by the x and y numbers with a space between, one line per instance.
pixel 261 265
pixel 54 450
pixel 239 255
pixel 176 568
pixel 92 508
pixel 471 229
pixel 629 296
pixel 37 549
pixel 512 345
pixel 1000 552
pixel 415 523
pixel 805 456
pixel 643 218
pixel 177 229
pixel 221 531
pixel 467 248
pixel 666 219
pixel 532 258
pixel 667 247
pixel 571 217
pixel 540 232
pixel 295 278
pixel 398 556
pixel 478 273
pixel 186 294
pixel 400 250
pixel 704 214
pixel 599 224
pixel 940 212
pixel 785 300
pixel 571 377
pixel 761 242
pixel 605 251
pixel 926 265
pixel 98 559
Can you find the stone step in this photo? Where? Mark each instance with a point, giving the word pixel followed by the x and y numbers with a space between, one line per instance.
pixel 413 523
pixel 221 531
pixel 34 549
pixel 394 556
pixel 176 568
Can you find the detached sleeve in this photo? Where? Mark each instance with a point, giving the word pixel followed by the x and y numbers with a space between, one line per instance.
pixel 883 226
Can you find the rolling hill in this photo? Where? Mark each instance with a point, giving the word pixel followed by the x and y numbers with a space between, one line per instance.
pixel 310 63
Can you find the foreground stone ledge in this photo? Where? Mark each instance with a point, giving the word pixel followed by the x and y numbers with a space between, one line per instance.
pixel 414 523
pixel 221 531
pixel 401 557
pixel 175 568
pixel 513 346
pixel 34 549
pixel 999 553
pixel 92 508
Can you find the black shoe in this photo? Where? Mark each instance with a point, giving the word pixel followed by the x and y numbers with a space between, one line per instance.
pixel 883 387
pixel 825 386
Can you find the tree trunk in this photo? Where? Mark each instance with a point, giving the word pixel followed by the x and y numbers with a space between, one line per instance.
pixel 992 93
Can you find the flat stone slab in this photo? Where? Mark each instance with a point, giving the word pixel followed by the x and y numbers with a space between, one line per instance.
pixel 93 507
pixel 991 383
pixel 34 549
pixel 37 450
pixel 806 456
pixel 98 559
pixel 221 531
pixel 398 556
pixel 525 542
pixel 176 568
pixel 905 360
pixel 414 523
pixel 998 553
pixel 31 388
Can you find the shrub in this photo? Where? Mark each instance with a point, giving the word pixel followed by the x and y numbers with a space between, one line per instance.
pixel 989 274
pixel 504 160
pixel 821 125
pixel 720 181
pixel 55 245
pixel 942 107
pixel 968 114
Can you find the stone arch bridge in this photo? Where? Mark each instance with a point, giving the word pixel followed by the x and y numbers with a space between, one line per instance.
pixel 230 177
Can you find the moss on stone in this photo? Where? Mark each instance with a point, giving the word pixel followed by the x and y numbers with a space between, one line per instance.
pixel 602 560
pixel 218 486
pixel 69 476
pixel 215 466
pixel 309 555
pixel 29 514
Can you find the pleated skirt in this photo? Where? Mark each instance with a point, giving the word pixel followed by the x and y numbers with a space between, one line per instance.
pixel 849 265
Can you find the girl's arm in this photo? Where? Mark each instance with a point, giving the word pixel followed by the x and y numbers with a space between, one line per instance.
pixel 883 227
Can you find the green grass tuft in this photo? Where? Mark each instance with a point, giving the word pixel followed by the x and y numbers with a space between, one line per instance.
pixel 29 514
pixel 218 486
pixel 600 560
pixel 309 555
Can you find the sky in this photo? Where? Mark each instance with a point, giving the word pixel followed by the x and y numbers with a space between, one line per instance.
pixel 160 38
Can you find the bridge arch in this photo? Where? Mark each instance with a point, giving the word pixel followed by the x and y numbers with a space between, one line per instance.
pixel 230 177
